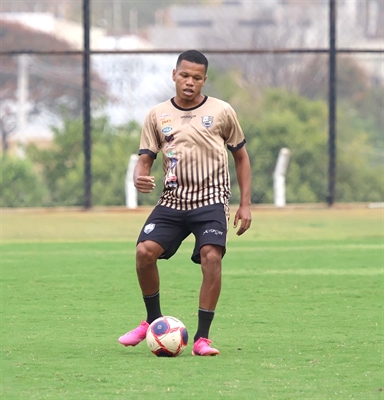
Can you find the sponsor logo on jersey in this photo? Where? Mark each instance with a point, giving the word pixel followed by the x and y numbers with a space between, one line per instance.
pixel 149 228
pixel 171 154
pixel 169 138
pixel 173 162
pixel 170 146
pixel 207 121
pixel 166 130
pixel 188 116
pixel 162 116
pixel 170 181
pixel 165 121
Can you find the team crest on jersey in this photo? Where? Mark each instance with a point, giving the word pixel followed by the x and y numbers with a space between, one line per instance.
pixel 207 121
pixel 149 228
pixel 166 130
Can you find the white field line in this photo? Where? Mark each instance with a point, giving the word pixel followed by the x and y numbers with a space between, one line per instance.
pixel 311 247
pixel 187 249
pixel 307 272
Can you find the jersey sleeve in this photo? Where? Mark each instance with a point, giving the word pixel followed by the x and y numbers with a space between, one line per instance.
pixel 150 139
pixel 233 133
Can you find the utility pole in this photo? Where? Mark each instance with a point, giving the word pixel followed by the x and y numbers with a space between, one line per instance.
pixel 117 16
pixel 332 104
pixel 133 24
pixel 22 100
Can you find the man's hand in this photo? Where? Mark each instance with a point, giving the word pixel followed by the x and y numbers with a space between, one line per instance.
pixel 145 184
pixel 243 214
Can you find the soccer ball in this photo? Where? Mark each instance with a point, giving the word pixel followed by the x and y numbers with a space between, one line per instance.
pixel 167 337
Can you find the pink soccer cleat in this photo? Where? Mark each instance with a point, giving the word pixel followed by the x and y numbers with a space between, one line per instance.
pixel 202 348
pixel 134 337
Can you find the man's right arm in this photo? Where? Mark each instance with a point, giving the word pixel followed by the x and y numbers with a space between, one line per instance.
pixel 144 183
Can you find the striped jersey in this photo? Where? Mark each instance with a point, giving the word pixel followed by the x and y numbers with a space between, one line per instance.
pixel 194 146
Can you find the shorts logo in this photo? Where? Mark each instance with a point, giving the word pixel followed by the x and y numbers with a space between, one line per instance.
pixel 166 130
pixel 214 231
pixel 149 228
pixel 207 121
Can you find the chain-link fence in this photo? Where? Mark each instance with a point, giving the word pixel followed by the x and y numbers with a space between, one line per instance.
pixel 71 115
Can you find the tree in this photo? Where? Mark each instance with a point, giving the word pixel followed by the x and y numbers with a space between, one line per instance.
pixel 62 164
pixel 357 91
pixel 20 184
pixel 54 82
pixel 283 119
pixel 276 118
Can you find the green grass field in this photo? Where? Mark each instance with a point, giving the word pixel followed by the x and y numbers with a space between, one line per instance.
pixel 300 314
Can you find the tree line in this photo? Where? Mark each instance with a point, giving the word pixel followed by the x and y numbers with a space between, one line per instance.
pixel 277 118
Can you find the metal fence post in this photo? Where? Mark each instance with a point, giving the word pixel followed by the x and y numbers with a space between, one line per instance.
pixel 87 142
pixel 332 104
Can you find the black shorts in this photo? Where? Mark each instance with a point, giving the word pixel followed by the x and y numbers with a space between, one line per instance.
pixel 169 227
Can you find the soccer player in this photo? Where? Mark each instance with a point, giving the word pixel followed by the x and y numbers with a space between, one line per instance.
pixel 193 131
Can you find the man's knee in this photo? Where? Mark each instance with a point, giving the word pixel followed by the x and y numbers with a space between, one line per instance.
pixel 211 256
pixel 148 252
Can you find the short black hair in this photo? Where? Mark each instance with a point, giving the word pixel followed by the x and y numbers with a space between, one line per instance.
pixel 193 56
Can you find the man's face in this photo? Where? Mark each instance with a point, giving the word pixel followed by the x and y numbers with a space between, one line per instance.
pixel 189 78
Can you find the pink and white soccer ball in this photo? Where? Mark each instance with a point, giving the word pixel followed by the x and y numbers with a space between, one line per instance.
pixel 167 337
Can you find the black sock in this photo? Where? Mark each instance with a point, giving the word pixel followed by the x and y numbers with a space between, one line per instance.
pixel 205 320
pixel 152 304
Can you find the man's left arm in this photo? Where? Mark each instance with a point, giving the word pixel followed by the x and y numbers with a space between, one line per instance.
pixel 244 179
